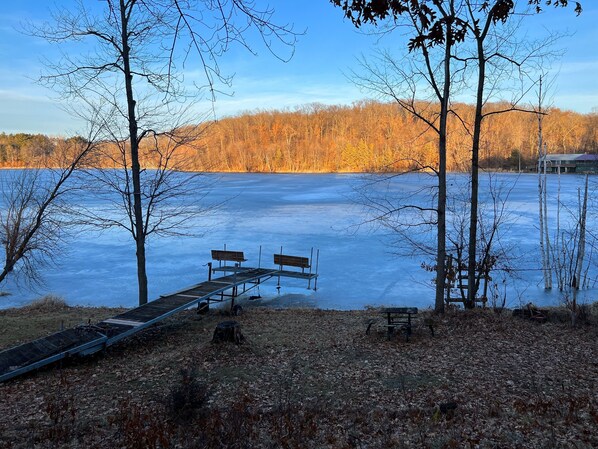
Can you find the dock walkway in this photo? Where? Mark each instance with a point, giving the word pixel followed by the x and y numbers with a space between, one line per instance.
pixel 88 339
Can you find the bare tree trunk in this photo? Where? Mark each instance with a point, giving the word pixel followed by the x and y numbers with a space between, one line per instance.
pixel 560 246
pixel 441 210
pixel 139 232
pixel 581 248
pixel 472 281
pixel 548 249
pixel 541 219
pixel 543 216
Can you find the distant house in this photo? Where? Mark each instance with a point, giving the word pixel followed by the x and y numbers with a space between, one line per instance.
pixel 570 163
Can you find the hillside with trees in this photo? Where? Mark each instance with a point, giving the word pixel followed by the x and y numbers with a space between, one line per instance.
pixel 365 137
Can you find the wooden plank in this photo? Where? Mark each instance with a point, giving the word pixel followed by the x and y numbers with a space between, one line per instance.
pixel 245 275
pixel 230 269
pixel 203 292
pixel 112 329
pixel 123 322
pixel 143 316
pixel 399 310
pixel 180 299
pixel 296 274
pixel 232 256
pixel 291 261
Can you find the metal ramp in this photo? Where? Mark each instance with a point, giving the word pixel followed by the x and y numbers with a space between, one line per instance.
pixel 85 340
pixel 141 317
pixel 43 351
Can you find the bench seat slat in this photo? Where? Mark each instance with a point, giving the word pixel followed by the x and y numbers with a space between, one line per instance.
pixel 231 256
pixel 291 261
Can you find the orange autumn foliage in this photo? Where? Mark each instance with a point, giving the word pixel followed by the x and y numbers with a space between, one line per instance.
pixel 365 137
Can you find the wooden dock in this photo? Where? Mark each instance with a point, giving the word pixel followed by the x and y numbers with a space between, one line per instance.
pixel 85 340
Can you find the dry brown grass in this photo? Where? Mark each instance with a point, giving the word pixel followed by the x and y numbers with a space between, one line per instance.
pixel 48 303
pixel 313 379
pixel 44 316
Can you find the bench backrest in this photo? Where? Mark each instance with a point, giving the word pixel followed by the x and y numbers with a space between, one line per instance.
pixel 291 261
pixel 233 256
pixel 399 310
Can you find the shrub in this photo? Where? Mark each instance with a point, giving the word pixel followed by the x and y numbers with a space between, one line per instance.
pixel 47 303
pixel 140 427
pixel 188 398
pixel 60 408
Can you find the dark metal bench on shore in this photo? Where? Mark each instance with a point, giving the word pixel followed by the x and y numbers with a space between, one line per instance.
pixel 398 319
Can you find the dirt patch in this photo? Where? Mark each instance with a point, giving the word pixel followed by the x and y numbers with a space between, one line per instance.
pixel 314 379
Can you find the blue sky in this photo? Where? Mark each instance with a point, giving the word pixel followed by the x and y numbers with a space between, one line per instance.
pixel 316 73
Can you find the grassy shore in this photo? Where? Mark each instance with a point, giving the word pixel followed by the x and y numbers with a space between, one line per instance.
pixel 45 316
pixel 310 379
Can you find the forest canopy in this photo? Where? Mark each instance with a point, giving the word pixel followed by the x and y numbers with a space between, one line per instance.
pixel 368 136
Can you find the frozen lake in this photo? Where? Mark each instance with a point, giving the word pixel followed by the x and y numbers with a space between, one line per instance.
pixel 357 265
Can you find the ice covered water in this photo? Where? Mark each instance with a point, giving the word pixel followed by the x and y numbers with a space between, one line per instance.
pixel 358 263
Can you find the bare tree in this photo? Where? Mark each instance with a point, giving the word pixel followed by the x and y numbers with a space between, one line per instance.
pixel 581 250
pixel 407 213
pixel 403 204
pixel 134 76
pixel 447 24
pixel 32 215
pixel 568 251
pixel 172 198
pixel 545 250
pixel 495 48
pixel 492 254
pixel 435 29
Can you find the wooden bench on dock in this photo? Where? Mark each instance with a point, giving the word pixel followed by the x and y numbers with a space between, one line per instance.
pixel 283 260
pixel 228 256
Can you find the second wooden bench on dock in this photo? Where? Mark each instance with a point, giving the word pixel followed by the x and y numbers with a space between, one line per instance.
pixel 291 261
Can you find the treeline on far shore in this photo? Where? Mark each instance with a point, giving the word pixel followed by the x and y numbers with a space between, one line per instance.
pixel 364 137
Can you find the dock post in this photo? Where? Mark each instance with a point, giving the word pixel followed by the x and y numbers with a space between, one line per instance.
pixel 448 281
pixel 259 260
pixel 317 263
pixel 234 289
pixel 209 271
pixel 311 258
pixel 279 270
